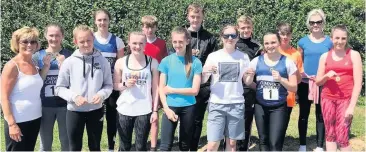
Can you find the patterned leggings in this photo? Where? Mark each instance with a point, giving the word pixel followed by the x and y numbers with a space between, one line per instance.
pixel 141 125
pixel 337 128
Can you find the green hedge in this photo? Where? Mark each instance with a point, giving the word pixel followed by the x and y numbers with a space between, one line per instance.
pixel 126 14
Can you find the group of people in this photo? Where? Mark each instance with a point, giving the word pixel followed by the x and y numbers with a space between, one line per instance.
pixel 235 83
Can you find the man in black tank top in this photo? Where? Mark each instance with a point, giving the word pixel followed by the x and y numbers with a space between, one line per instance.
pixel 253 48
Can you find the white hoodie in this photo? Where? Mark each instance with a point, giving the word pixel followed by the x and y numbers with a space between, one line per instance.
pixel 84 75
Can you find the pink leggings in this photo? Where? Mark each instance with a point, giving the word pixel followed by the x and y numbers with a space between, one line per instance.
pixel 337 128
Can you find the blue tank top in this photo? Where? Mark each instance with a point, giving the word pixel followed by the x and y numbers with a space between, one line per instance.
pixel 48 90
pixel 269 92
pixel 109 50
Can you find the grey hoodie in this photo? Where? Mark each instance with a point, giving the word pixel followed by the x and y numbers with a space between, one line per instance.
pixel 84 75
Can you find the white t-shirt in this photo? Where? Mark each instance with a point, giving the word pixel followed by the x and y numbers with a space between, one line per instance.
pixel 152 41
pixel 119 41
pixel 227 82
pixel 290 65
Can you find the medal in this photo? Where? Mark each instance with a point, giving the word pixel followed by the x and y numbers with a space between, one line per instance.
pixel 338 78
pixel 53 55
pixel 195 52
pixel 134 75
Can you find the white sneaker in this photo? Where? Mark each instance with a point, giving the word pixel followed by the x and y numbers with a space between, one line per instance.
pixel 110 150
pixel 302 148
pixel 318 149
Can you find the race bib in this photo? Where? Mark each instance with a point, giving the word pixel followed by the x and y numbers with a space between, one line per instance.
pixel 50 83
pixel 270 94
pixel 49 91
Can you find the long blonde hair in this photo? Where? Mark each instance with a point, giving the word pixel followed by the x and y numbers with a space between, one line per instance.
pixel 188 54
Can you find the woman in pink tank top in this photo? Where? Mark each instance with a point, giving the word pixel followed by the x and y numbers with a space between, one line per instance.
pixel 340 73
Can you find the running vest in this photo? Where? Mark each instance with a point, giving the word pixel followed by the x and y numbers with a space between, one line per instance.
pixel 25 101
pixel 341 89
pixel 137 100
pixel 269 92
pixel 109 50
pixel 48 90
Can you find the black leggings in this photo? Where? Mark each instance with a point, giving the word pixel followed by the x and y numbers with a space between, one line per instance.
pixel 185 115
pixel 271 125
pixel 305 105
pixel 200 110
pixel 111 117
pixel 29 129
pixel 289 111
pixel 142 128
pixel 250 99
pixel 75 123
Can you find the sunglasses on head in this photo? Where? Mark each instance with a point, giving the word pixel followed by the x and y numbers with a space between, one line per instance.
pixel 316 22
pixel 28 42
pixel 233 36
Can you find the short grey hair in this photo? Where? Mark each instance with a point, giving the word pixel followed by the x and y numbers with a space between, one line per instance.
pixel 315 12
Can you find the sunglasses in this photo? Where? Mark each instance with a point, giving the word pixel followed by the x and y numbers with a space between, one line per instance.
pixel 233 36
pixel 316 22
pixel 32 42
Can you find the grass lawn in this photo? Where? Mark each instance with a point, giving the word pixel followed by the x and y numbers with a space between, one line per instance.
pixel 291 142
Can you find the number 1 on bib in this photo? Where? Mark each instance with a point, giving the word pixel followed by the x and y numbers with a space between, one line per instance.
pixel 270 94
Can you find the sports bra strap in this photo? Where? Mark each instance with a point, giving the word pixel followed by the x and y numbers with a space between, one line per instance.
pixel 146 60
pixel 127 58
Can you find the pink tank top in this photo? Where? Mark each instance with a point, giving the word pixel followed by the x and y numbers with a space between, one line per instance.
pixel 341 86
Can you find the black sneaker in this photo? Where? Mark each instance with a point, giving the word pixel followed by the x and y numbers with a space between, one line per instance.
pixel 153 149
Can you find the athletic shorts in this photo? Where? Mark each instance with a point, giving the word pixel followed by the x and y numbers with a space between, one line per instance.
pixel 225 120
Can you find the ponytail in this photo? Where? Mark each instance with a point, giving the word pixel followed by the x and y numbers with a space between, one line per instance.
pixel 188 60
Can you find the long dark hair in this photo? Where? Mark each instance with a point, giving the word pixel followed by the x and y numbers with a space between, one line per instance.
pixel 188 54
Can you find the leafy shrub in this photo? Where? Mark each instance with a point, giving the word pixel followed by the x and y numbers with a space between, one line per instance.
pixel 126 16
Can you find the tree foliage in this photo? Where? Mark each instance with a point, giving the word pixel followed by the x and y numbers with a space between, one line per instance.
pixel 126 16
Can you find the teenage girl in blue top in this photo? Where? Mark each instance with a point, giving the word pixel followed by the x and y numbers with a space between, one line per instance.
pixel 275 75
pixel 180 80
pixel 111 48
pixel 49 60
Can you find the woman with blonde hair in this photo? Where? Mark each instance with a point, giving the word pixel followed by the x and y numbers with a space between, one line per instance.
pixel 20 92
pixel 312 46
pixel 84 81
